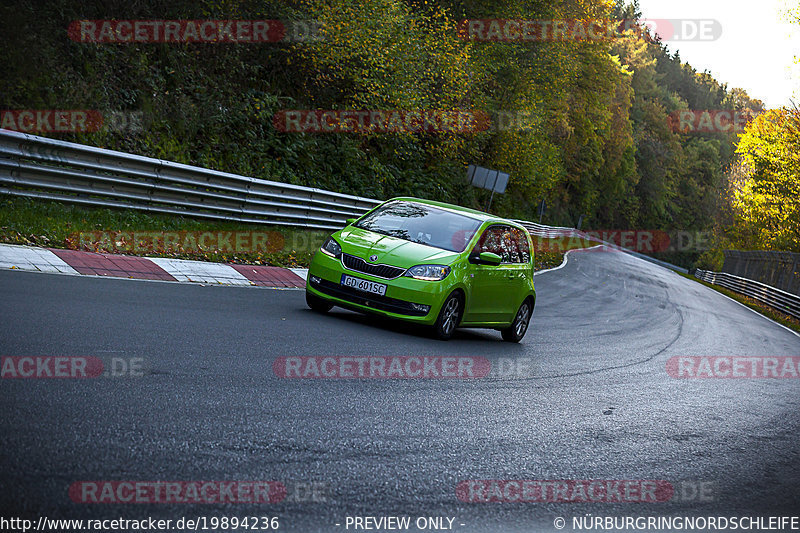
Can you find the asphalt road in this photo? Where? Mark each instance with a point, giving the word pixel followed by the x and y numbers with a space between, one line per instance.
pixel 593 401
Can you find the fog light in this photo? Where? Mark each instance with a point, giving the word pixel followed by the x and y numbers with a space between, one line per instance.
pixel 315 280
pixel 420 307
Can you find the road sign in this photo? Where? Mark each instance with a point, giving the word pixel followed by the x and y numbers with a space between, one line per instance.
pixel 485 178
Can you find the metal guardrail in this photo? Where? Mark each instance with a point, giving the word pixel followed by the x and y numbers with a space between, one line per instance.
pixel 550 232
pixel 39 167
pixel 554 232
pixel 781 300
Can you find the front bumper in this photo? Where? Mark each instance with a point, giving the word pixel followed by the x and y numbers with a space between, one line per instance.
pixel 403 298
pixel 372 301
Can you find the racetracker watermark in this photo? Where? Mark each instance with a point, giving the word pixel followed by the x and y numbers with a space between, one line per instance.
pixel 71 121
pixel 564 491
pixel 514 367
pixel 43 367
pixel 74 367
pixel 587 30
pixel 172 492
pixel 643 241
pixel 381 367
pixel 194 31
pixel 724 367
pixel 180 242
pixel 306 492
pixel 710 120
pixel 381 121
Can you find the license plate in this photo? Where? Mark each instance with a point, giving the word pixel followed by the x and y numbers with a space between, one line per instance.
pixel 363 285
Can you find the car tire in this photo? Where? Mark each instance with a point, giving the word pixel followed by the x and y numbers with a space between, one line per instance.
pixel 318 304
pixel 519 327
pixel 449 317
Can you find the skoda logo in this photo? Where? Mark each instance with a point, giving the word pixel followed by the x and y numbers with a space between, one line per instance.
pixel 373 258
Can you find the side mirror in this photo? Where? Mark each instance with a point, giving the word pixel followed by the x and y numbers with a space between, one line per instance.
pixel 489 258
pixel 349 221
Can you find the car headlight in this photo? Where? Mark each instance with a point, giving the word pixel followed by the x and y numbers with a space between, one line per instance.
pixel 428 272
pixel 331 248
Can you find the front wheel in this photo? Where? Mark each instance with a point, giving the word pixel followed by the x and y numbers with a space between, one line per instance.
pixel 449 317
pixel 517 329
pixel 318 304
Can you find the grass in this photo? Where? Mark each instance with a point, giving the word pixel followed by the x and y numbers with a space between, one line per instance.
pixel 34 222
pixel 51 224
pixel 545 260
pixel 766 310
pixel 550 252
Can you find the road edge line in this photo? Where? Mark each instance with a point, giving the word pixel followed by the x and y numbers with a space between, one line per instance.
pixel 790 330
pixel 566 257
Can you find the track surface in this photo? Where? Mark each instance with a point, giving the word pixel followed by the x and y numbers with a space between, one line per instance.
pixel 596 402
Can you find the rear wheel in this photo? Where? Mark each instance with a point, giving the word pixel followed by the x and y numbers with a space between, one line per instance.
pixel 318 304
pixel 517 329
pixel 449 317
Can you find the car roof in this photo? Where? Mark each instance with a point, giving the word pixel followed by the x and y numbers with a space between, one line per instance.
pixel 473 213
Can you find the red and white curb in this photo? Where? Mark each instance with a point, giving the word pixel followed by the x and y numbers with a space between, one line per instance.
pixel 152 268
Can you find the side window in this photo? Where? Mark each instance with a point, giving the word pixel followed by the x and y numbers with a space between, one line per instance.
pixel 521 241
pixel 509 243
pixel 489 242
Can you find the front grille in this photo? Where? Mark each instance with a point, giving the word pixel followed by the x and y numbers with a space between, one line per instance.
pixel 381 271
pixel 374 301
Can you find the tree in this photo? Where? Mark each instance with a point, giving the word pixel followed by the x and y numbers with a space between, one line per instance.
pixel 766 200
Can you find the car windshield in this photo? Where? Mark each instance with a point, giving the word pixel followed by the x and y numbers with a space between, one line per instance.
pixel 422 224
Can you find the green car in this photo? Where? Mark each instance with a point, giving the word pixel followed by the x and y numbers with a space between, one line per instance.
pixel 431 263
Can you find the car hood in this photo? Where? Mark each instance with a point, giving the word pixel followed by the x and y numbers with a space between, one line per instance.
pixel 391 250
